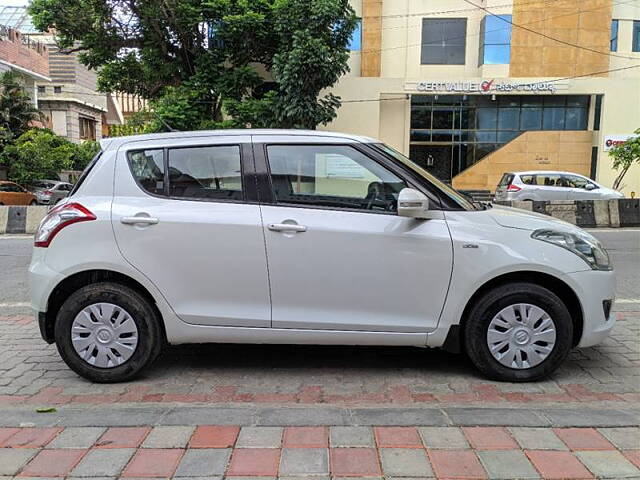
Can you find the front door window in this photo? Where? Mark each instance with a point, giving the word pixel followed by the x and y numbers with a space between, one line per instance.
pixel 332 176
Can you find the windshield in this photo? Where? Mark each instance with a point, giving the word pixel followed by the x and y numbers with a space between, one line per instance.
pixel 456 196
pixel 43 185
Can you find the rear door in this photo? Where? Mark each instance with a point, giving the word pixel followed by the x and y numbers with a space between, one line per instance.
pixel 550 186
pixel 185 214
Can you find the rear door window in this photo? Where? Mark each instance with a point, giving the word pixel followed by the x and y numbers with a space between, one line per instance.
pixel 549 180
pixel 212 172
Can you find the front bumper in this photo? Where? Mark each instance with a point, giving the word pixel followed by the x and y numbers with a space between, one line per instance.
pixel 594 288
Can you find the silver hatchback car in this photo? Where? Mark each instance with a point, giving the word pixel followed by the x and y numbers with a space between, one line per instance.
pixel 551 185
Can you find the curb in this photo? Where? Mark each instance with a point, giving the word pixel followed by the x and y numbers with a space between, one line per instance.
pixel 587 213
pixel 21 219
pixel 583 213
pixel 132 415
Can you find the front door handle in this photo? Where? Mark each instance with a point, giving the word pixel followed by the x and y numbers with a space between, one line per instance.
pixel 287 227
pixel 139 220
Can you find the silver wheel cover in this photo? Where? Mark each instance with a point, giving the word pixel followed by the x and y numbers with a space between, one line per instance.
pixel 521 336
pixel 104 335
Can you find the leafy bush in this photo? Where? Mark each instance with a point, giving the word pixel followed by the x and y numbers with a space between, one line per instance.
pixel 40 153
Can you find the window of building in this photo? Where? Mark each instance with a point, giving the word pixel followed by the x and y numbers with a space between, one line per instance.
pixel 449 133
pixel 87 128
pixel 57 89
pixel 636 36
pixel 614 35
pixel 443 41
pixel 42 89
pixel 495 40
pixel 332 176
pixel 355 44
pixel 206 172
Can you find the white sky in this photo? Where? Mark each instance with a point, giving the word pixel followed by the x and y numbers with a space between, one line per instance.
pixel 13 3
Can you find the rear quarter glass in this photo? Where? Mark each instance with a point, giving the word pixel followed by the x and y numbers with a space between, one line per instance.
pixel 506 179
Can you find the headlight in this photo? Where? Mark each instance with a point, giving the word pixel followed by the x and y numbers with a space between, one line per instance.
pixel 582 244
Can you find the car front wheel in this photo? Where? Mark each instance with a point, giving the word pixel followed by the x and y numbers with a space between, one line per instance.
pixel 107 332
pixel 518 332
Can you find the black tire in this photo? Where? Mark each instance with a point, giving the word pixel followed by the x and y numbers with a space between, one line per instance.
pixel 143 314
pixel 492 302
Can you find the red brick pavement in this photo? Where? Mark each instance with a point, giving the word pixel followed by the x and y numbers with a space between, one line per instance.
pixel 345 461
pixel 32 373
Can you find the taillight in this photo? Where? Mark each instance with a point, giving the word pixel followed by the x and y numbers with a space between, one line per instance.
pixel 47 192
pixel 513 188
pixel 58 218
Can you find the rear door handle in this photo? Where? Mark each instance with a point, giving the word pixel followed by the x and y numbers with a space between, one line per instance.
pixel 139 220
pixel 286 227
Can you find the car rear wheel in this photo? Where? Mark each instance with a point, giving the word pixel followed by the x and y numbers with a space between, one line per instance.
pixel 107 332
pixel 518 332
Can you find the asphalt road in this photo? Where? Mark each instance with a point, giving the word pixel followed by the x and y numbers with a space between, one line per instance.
pixel 15 253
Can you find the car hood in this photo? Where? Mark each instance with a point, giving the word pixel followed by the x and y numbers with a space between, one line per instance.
pixel 523 220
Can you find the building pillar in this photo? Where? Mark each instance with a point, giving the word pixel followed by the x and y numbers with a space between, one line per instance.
pixel 371 38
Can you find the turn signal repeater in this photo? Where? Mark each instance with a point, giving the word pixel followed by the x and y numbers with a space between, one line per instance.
pixel 58 218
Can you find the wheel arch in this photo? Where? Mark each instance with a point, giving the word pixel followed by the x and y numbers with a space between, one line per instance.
pixel 453 342
pixel 73 282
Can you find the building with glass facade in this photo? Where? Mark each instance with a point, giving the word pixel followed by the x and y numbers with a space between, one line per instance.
pixel 472 92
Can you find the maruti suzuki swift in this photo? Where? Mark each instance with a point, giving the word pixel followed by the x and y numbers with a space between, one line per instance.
pixel 301 237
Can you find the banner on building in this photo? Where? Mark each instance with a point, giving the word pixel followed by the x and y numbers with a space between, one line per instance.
pixel 611 141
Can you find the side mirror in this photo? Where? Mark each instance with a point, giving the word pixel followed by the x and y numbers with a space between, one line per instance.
pixel 590 186
pixel 413 204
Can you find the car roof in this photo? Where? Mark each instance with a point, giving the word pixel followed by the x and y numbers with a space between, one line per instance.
pixel 113 143
pixel 545 172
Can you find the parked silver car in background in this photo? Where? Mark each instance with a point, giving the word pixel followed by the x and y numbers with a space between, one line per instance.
pixel 50 192
pixel 551 185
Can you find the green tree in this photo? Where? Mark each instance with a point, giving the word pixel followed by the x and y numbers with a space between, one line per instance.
pixel 209 63
pixel 624 156
pixel 17 110
pixel 39 153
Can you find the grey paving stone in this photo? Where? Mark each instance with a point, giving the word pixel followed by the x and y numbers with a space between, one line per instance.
pixel 90 478
pixel 77 437
pixel 352 437
pixel 507 464
pixel 443 437
pixel 397 417
pixel 495 417
pixel 103 462
pixel 13 459
pixel 625 438
pixel 203 461
pixel 532 438
pixel 304 461
pixel 168 437
pixel 214 477
pixel 608 463
pixel 405 462
pixel 260 437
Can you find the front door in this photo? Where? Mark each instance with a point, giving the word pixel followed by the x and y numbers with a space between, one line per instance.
pixel 339 257
pixel 181 216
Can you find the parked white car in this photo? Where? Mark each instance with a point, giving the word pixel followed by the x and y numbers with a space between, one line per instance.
pixel 268 236
pixel 551 185
pixel 50 192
